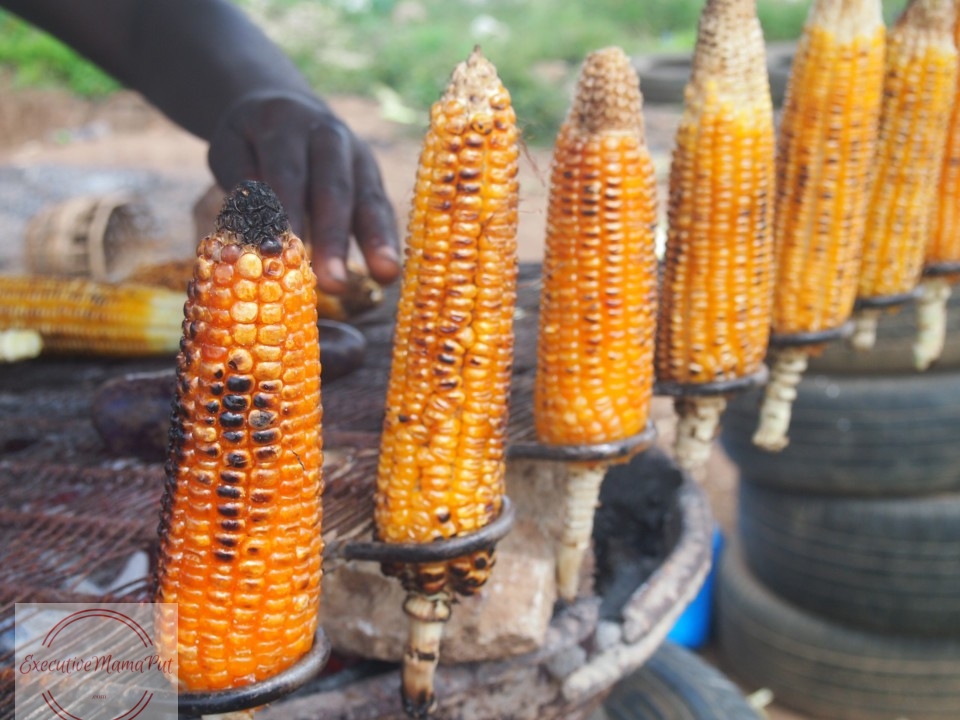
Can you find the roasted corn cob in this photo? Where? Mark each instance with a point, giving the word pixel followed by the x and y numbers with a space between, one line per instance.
pixel 85 316
pixel 920 82
pixel 361 294
pixel 240 537
pixel 598 300
pixel 943 245
pixel 441 469
pixel 715 301
pixel 825 151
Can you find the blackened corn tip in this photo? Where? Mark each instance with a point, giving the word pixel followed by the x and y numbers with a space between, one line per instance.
pixel 253 213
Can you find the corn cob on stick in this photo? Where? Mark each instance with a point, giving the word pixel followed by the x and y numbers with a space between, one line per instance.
pixel 825 151
pixel 943 245
pixel 85 316
pixel 715 300
pixel 441 469
pixel 920 82
pixel 240 537
pixel 362 292
pixel 598 300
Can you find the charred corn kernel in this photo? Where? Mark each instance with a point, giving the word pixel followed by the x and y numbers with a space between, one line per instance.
pixel 825 152
pixel 441 468
pixel 85 316
pixel 598 300
pixel 362 292
pixel 921 72
pixel 943 245
pixel 716 292
pixel 240 537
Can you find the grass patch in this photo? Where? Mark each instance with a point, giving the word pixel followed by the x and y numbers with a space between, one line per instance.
pixel 37 59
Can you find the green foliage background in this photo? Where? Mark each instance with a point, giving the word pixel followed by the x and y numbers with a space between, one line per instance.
pixel 409 47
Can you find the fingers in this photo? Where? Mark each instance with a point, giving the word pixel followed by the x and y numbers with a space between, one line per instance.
pixel 231 158
pixel 374 222
pixel 283 166
pixel 331 196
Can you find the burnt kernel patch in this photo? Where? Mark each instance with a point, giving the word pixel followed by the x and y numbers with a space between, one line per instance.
pixel 234 436
pixel 212 406
pixel 253 550
pixel 228 476
pixel 253 212
pixel 231 420
pixel 229 491
pixel 225 555
pixel 459 571
pixel 235 402
pixel 261 496
pixel 226 540
pixel 270 386
pixel 231 525
pixel 268 452
pixel 261 401
pixel 229 510
pixel 212 451
pixel 237 459
pixel 218 374
pixel 266 436
pixel 239 383
pixel 216 389
pixel 443 516
pixel 260 420
pixel 480 563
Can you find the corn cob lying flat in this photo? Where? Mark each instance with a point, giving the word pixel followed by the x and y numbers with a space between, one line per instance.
pixel 441 470
pixel 84 316
pixel 825 152
pixel 943 245
pixel 362 292
pixel 598 299
pixel 715 297
pixel 921 72
pixel 240 530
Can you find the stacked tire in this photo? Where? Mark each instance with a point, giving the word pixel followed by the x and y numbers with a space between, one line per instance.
pixel 841 591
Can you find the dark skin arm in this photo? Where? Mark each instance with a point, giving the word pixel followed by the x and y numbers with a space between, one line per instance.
pixel 211 70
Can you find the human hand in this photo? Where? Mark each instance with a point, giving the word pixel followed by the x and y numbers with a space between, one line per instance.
pixel 326 178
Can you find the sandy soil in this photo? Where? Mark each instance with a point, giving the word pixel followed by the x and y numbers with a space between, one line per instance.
pixel 49 128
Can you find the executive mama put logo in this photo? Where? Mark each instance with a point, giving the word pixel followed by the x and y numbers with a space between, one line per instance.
pixel 91 661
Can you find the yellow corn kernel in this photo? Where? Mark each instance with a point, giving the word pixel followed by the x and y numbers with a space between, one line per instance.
pixel 441 468
pixel 240 540
pixel 716 291
pixel 921 78
pixel 825 153
pixel 85 316
pixel 598 300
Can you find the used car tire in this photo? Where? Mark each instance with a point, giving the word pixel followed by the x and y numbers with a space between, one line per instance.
pixel 888 565
pixel 879 435
pixel 893 352
pixel 825 669
pixel 675 684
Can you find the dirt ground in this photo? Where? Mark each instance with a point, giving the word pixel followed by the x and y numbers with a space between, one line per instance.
pixel 40 128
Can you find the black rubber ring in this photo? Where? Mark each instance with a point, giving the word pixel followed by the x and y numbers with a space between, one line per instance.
pixel 192 705
pixel 439 550
pixel 628 446
pixel 812 338
pixel 943 268
pixel 721 387
pixel 886 301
